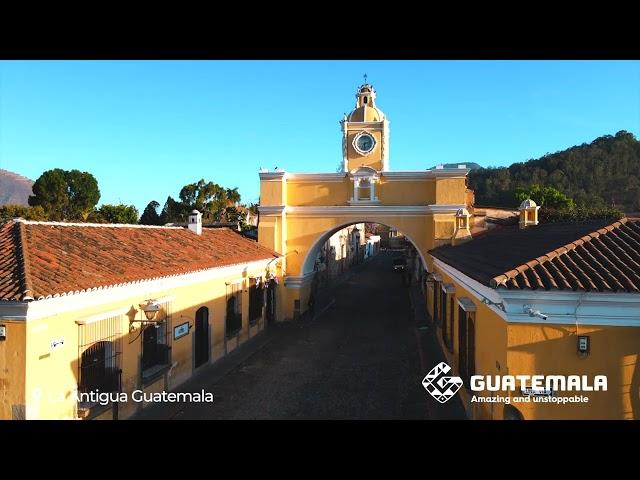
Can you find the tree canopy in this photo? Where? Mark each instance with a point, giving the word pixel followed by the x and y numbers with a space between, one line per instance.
pixel 65 195
pixel 215 202
pixel 150 214
pixel 544 196
pixel 7 212
pixel 605 172
pixel 108 213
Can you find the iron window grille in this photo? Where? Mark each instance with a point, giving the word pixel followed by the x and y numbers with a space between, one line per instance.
pixel 467 345
pixel 256 300
pixel 156 345
pixel 233 320
pixel 99 353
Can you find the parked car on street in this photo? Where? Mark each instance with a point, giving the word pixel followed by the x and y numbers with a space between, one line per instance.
pixel 399 264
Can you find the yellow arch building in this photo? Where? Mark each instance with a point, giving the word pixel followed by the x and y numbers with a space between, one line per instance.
pixel 300 211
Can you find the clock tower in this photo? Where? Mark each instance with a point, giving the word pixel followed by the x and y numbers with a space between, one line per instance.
pixel 365 134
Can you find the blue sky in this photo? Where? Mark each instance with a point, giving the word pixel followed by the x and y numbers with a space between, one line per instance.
pixel 146 128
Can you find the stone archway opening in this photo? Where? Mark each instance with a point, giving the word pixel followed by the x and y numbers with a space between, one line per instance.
pixel 311 255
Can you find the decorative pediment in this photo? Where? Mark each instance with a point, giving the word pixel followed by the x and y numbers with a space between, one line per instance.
pixel 364 172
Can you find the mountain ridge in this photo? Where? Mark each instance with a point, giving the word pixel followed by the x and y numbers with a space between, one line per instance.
pixel 15 189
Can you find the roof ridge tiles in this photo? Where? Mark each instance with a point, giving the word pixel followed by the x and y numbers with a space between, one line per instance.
pixel 24 264
pixel 103 225
pixel 528 267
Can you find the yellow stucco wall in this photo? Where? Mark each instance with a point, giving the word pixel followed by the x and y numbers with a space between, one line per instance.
pixel 12 370
pixel 490 331
pixel 552 350
pixel 52 374
pixel 318 193
pixel 549 349
pixel 272 192
pixel 417 192
pixel 451 190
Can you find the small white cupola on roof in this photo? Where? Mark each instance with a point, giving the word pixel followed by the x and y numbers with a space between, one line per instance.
pixel 195 222
pixel 461 230
pixel 528 213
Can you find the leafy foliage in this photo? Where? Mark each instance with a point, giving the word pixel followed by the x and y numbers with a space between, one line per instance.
pixel 215 202
pixel 150 214
pixel 8 212
pixel 65 195
pixel 107 213
pixel 604 173
pixel 578 214
pixel 544 196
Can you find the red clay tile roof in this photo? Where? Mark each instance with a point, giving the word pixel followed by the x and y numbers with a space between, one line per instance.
pixel 41 259
pixel 588 256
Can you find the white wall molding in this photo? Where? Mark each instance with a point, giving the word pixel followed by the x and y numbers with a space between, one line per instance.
pixel 317 177
pixel 372 210
pixel 561 307
pixel 298 281
pixel 12 310
pixel 271 210
pixel 272 176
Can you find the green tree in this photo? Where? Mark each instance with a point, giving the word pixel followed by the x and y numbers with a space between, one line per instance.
pixel 108 213
pixel 236 215
pixel 8 212
pixel 65 195
pixel 84 194
pixel 209 198
pixel 604 173
pixel 173 212
pixel 150 214
pixel 544 196
pixel 51 192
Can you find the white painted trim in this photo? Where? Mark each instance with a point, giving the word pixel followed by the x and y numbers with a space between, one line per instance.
pixel 272 176
pixel 270 210
pixel 448 288
pixel 478 290
pixel 165 299
pixel 467 304
pixel 375 210
pixel 298 281
pixel 582 319
pixel 102 316
pixel 357 137
pixel 364 202
pixel 13 310
pixel 409 175
pixel 317 177
pixel 351 125
pixel 561 307
pixel 100 225
pixel 435 173
pixel 139 289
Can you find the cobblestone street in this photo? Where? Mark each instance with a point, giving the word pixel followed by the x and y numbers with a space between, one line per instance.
pixel 361 357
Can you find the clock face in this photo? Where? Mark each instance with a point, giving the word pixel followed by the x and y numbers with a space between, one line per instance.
pixel 365 143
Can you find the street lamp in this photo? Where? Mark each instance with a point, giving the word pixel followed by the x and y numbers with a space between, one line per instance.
pixel 150 309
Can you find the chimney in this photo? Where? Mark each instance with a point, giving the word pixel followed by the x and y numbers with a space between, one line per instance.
pixel 461 232
pixel 195 222
pixel 528 213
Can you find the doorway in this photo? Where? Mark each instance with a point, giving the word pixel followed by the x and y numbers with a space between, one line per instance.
pixel 201 341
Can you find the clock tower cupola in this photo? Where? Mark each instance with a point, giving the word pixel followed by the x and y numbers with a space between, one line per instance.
pixel 365 133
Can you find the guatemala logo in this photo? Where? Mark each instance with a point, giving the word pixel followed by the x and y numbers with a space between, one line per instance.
pixel 441 387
